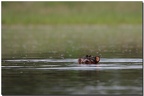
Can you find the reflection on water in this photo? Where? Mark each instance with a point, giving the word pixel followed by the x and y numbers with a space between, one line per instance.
pixel 65 76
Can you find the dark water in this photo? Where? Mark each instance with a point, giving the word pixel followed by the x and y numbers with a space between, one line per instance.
pixel 65 76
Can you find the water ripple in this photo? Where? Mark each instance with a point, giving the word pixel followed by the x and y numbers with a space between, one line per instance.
pixel 72 64
pixel 75 60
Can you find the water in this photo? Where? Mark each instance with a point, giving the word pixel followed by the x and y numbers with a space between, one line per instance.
pixel 66 76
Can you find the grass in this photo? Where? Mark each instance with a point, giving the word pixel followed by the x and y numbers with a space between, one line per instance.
pixel 71 13
pixel 74 40
pixel 73 29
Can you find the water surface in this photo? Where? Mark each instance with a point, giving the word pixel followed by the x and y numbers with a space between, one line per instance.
pixel 66 76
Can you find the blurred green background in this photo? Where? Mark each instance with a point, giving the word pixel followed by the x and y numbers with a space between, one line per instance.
pixel 71 12
pixel 71 29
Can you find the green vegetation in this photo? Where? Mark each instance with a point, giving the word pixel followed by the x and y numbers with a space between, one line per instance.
pixel 71 12
pixel 73 40
pixel 72 29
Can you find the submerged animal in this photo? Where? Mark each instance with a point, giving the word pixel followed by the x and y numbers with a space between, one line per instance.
pixel 88 59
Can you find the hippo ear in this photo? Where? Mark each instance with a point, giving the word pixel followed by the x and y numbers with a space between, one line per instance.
pixel 86 55
pixel 97 58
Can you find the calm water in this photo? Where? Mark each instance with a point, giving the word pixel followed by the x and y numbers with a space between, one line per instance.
pixel 65 76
